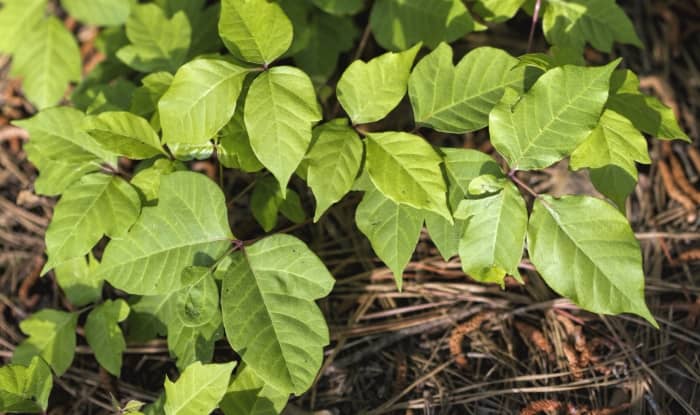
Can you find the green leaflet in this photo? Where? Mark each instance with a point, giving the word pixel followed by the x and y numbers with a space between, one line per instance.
pixel 494 235
pixel 18 19
pixel 255 31
pixel 190 344
pixel 269 312
pixel 47 61
pixel 280 110
pixel 25 388
pixel 406 169
pixel 146 180
pixel 104 335
pixel 144 323
pixel 647 113
pixel 96 205
pixel 144 101
pixel 393 230
pixel 400 24
pixel 586 251
pixel 340 6
pixel 205 36
pixel 99 12
pixel 189 226
pixel 77 279
pixel 497 10
pixel 157 43
pixel 233 149
pixel 200 101
pixel 51 336
pixel 198 302
pixel 101 98
pixel 458 99
pixel 333 163
pixel 198 390
pixel 614 141
pixel 369 91
pixel 553 118
pixel 613 182
pixel 574 23
pixel 249 395
pixel 125 134
pixel 267 201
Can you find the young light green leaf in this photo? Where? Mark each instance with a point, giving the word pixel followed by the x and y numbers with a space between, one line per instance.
pixel 614 141
pixel 494 235
pixel 189 226
pixel 647 113
pixel 406 169
pixel 255 31
pixel 614 183
pixel 51 336
pixel 199 300
pixel 333 163
pixel 574 23
pixel 198 390
pixel 400 24
pixel 497 10
pixel 189 152
pixel 248 394
pixel 96 205
pixel 192 344
pixel 586 251
pixel 267 201
pixel 18 18
pixel 99 12
pixel 125 134
pixel 200 101
pixel 47 61
pixel 553 118
pixel 147 177
pixel 393 230
pixel 77 279
pixel 269 313
pixel 157 43
pixel 104 336
pixel 233 149
pixel 458 99
pixel 280 110
pixel 25 389
pixel 369 91
pixel 340 7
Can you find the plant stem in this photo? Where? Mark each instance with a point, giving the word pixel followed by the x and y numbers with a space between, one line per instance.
pixel 521 184
pixel 535 17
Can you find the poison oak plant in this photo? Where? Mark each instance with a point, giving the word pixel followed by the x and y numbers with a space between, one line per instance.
pixel 245 82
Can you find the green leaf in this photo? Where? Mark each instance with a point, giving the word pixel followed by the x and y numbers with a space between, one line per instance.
pixel 614 183
pixel 96 205
pixel 497 10
pixel 280 110
pixel 248 394
pixel 25 389
pixel 189 226
pixel 369 91
pixel 573 23
pixel 553 118
pixel 157 43
pixel 267 202
pixel 333 163
pixel 51 336
pixel 205 39
pixel 188 152
pixel 614 141
pixel 458 99
pixel 146 180
pixel 76 277
pixel 200 101
pixel 199 300
pixel 234 149
pixel 462 166
pixel 255 31
pixel 340 7
pixel 99 12
pixel 406 169
pixel 18 18
pixel 144 322
pixel 198 390
pixel 104 336
pixel 393 230
pixel 269 313
pixel 494 235
pixel 586 251
pixel 191 344
pixel 400 24
pixel 125 134
pixel 145 98
pixel 48 60
pixel 647 113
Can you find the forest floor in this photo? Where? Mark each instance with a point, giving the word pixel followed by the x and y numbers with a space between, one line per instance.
pixel 445 344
